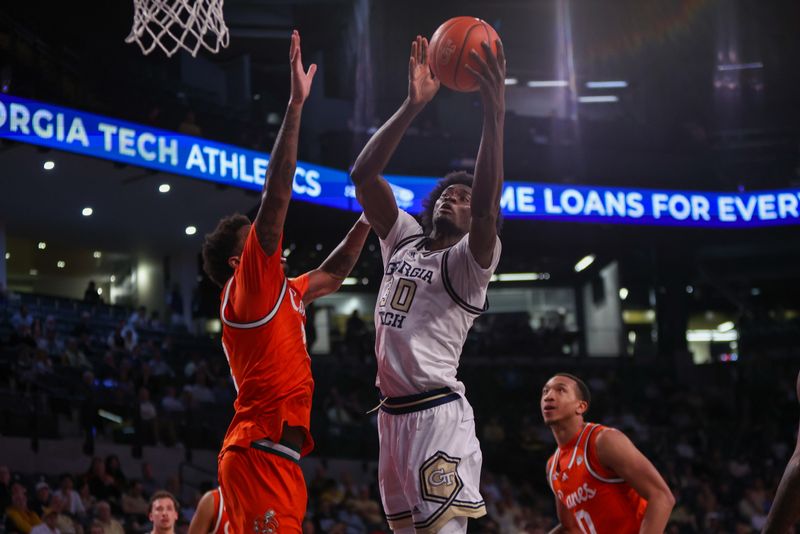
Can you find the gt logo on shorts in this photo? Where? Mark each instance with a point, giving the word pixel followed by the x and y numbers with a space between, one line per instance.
pixel 439 478
pixel 267 524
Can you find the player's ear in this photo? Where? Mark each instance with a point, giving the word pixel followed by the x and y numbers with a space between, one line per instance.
pixel 582 408
pixel 233 262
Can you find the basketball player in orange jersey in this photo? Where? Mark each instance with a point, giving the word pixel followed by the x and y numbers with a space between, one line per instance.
pixel 602 483
pixel 263 337
pixel 210 516
pixel 785 510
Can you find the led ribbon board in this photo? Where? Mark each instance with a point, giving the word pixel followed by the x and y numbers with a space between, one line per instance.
pixel 42 124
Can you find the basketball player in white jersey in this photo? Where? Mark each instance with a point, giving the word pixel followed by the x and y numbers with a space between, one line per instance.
pixel 434 286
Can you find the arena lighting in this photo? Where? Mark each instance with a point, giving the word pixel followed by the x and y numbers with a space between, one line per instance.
pixel 114 418
pixel 623 293
pixel 711 335
pixel 584 262
pixel 350 281
pixel 519 277
pixel 97 254
pixel 727 326
pixel 617 84
pixel 8 255
pixel 602 99
pixel 163 188
pixel 99 290
pixel 87 211
pixel 42 245
pixel 741 66
pixel 112 278
pixel 49 165
pixel 512 81
pixel 61 264
pixel 190 230
pixel 547 83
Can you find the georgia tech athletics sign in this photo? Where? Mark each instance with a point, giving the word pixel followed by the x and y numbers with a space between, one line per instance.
pixel 42 124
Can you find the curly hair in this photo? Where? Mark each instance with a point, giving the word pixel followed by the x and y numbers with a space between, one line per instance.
pixel 451 178
pixel 220 245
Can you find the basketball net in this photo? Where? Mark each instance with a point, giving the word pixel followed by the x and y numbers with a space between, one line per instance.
pixel 175 24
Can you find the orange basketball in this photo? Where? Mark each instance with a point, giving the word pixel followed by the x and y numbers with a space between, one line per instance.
pixel 449 51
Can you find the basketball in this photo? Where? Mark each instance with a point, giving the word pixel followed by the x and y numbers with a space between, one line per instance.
pixel 449 51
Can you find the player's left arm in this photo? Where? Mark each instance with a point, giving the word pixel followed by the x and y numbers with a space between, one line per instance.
pixel 488 184
pixel 328 277
pixel 203 518
pixel 617 453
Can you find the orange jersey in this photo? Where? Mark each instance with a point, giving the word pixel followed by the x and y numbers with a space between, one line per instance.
pixel 263 336
pixel 220 525
pixel 600 501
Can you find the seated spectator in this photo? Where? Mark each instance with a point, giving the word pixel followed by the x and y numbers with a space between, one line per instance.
pixel 102 513
pixel 138 319
pixel 41 498
pixel 101 484
pixel 74 356
pixel 20 518
pixel 114 469
pixel 159 366
pixel 71 499
pixel 134 505
pixel 87 499
pixel 64 523
pixel 49 524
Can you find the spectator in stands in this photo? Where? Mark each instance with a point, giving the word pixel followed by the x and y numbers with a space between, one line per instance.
pixel 134 505
pixel 41 498
pixel 355 334
pixel 51 340
pixel 96 527
pixel 149 484
pixel 101 484
pixel 5 487
pixel 159 366
pixel 73 356
pixel 147 418
pixel 66 492
pixel 49 523
pixel 83 329
pixel 91 296
pixel 22 322
pixel 64 523
pixel 114 469
pixel 102 512
pixel 138 319
pixel 87 499
pixel 163 512
pixel 155 323
pixel 199 390
pixel 20 518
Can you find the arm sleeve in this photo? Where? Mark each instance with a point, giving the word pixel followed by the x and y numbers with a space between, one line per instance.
pixel 405 227
pixel 257 281
pixel 465 277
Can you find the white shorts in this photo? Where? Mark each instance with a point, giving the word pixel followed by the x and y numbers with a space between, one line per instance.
pixel 430 462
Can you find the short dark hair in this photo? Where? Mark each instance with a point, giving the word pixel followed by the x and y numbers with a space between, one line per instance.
pixel 451 178
pixel 220 245
pixel 163 494
pixel 583 389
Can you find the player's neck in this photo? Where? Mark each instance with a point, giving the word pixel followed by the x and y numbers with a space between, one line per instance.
pixel 566 430
pixel 165 531
pixel 443 238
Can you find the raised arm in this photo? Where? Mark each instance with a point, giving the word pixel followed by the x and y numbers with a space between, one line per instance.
pixel 785 510
pixel 328 277
pixel 488 184
pixel 373 192
pixel 283 160
pixel 617 453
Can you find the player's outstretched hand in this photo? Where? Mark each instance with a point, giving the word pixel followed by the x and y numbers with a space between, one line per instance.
pixel 422 85
pixel 491 76
pixel 301 79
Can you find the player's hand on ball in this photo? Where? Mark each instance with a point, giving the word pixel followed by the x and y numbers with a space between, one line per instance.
pixel 491 76
pixel 301 80
pixel 422 86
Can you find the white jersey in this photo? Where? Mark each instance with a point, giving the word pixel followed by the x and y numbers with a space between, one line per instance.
pixel 427 304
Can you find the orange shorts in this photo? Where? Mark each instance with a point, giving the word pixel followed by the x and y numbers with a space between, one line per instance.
pixel 263 488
